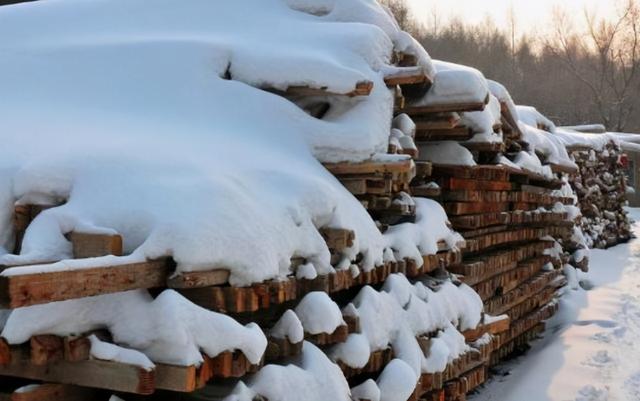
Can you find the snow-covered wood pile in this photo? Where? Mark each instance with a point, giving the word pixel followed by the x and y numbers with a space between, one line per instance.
pixel 501 185
pixel 193 199
pixel 601 191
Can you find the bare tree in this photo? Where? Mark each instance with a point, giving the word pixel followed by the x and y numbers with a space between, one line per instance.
pixel 435 20
pixel 605 58
pixel 402 13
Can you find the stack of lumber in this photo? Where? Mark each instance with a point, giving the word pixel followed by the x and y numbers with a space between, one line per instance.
pixel 601 189
pixel 66 365
pixel 507 221
pixel 509 218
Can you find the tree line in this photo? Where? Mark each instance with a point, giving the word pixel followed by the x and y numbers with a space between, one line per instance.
pixel 576 72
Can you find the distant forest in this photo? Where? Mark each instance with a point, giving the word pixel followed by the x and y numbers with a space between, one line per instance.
pixel 587 72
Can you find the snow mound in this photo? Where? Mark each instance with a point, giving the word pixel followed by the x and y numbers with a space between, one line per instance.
pixel 152 122
pixel 446 152
pixel 318 313
pixel 168 329
pixel 531 116
pixel 455 84
pixel 310 377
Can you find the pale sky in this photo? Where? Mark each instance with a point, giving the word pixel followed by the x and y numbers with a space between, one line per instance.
pixel 530 14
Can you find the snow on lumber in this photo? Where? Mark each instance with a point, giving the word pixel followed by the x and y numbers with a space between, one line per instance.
pixel 454 85
pixel 482 123
pixel 310 376
pixel 168 329
pixel 143 128
pixel 531 116
pixel 447 152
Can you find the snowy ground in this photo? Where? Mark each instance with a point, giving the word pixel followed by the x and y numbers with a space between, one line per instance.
pixel 590 351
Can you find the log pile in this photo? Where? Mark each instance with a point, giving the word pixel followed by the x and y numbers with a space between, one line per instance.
pixel 508 217
pixel 601 189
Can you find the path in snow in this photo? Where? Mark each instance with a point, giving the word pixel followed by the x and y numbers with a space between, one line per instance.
pixel 591 349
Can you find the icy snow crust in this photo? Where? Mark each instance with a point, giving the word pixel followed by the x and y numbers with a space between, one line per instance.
pixel 127 116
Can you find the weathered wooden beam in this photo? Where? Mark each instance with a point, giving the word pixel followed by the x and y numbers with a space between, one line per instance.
pixel 498 325
pixel 338 239
pixel 5 352
pixel 199 279
pixel 371 167
pixel 438 121
pixel 176 378
pixel 321 339
pixel 86 245
pixel 280 348
pixel 559 168
pixel 494 147
pixel 443 108
pixel 511 120
pixel 460 208
pixel 446 134
pixel 407 76
pixel 46 349
pixel 93 373
pixel 19 290
pixel 362 88
pixel 483 173
pixel 453 183
pixel 426 191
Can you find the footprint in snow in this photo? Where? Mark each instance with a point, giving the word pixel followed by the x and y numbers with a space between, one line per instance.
pixel 603 337
pixel 600 359
pixel 590 393
pixel 632 386
pixel 605 324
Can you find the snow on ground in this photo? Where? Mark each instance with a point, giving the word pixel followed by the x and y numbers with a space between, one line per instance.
pixel 590 349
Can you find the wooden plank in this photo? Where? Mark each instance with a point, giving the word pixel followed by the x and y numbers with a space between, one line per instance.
pixel 362 88
pixel 423 169
pixel 338 336
pixel 46 349
pixel 502 303
pixel 371 167
pixel 426 191
pixel 77 348
pixel 87 245
pixel 438 121
pixel 19 290
pixel 94 373
pixel 558 168
pixel 511 120
pixel 55 392
pixel 443 108
pixel 5 352
pixel 447 134
pixel 407 76
pixel 338 239
pixel 476 196
pixel 280 348
pixel 458 208
pixel 176 378
pixel 482 173
pixel 446 107
pixel 484 146
pixel 199 279
pixel 490 264
pixel 476 185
